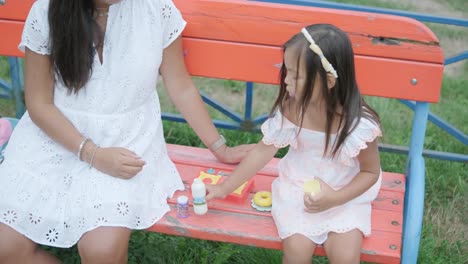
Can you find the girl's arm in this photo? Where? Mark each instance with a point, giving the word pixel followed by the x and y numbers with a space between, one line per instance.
pixel 39 97
pixel 188 101
pixel 253 162
pixel 365 179
pixel 368 175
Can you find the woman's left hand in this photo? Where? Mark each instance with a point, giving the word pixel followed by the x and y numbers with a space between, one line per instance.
pixel 233 154
pixel 321 201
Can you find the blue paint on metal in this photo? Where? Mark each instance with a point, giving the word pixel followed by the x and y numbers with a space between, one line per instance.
pixel 259 120
pixel 4 85
pixel 456 58
pixel 456 133
pixel 248 101
pixel 5 89
pixel 17 83
pixel 414 195
pixel 222 108
pixel 413 210
pixel 426 153
pixel 421 17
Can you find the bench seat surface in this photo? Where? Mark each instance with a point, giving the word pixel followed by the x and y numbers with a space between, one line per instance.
pixel 241 224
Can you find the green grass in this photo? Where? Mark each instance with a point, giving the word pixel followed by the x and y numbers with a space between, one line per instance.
pixel 449 32
pixel 7 108
pixel 460 5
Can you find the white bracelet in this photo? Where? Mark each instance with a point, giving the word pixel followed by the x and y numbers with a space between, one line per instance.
pixel 218 143
pixel 91 162
pixel 80 149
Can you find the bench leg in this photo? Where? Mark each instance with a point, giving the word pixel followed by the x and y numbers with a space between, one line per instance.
pixel 414 195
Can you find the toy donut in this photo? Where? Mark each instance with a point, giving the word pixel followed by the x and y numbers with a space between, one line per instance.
pixel 263 199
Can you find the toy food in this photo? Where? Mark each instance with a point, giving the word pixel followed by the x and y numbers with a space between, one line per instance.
pixel 312 187
pixel 263 199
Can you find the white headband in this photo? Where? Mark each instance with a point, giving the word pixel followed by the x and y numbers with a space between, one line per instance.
pixel 315 48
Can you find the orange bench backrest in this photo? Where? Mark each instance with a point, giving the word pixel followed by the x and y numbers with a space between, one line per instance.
pixel 396 57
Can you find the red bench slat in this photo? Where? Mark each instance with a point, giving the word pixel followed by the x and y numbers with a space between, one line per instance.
pixel 248 62
pixel 260 231
pixel 269 24
pixel 240 223
pixel 228 60
pixel 15 9
pixel 11 37
pixel 225 50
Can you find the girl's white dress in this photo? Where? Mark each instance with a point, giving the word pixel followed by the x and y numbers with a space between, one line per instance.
pixel 46 192
pixel 304 161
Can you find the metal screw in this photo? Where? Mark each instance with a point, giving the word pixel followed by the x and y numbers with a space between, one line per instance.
pixel 414 81
pixel 395 202
pixel 395 223
pixel 2 2
pixel 393 247
pixel 398 182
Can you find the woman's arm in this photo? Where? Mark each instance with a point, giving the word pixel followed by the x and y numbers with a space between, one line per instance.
pixel 39 95
pixel 188 101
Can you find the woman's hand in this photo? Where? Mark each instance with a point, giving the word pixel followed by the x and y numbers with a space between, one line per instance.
pixel 321 201
pixel 117 162
pixel 215 191
pixel 227 154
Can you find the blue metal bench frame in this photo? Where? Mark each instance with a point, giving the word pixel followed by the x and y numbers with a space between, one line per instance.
pixel 14 88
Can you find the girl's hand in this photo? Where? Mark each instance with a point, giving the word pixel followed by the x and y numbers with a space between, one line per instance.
pixel 227 154
pixel 118 162
pixel 321 201
pixel 215 191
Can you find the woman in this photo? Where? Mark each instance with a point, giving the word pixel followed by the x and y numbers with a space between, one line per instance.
pixel 87 163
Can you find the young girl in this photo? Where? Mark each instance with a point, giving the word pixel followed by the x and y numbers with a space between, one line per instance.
pixel 332 135
pixel 88 162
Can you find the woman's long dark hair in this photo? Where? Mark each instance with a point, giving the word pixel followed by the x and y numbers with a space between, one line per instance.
pixel 73 32
pixel 337 48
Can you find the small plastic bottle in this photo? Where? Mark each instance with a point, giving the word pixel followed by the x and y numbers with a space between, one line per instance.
pixel 182 206
pixel 199 193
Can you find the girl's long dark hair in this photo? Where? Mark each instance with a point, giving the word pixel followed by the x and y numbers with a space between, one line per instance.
pixel 73 32
pixel 337 48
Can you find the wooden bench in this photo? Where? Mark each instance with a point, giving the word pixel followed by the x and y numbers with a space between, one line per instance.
pixel 241 40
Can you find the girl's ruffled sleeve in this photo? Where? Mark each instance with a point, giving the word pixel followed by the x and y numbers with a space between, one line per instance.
pixel 36 29
pixel 279 131
pixel 366 131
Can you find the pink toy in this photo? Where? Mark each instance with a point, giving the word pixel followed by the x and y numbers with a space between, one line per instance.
pixel 5 131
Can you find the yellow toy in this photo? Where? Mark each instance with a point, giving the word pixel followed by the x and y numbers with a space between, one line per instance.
pixel 263 199
pixel 209 178
pixel 312 187
pixel 239 195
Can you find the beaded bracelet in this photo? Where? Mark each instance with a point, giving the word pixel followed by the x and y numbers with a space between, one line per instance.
pixel 80 149
pixel 221 141
pixel 92 156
